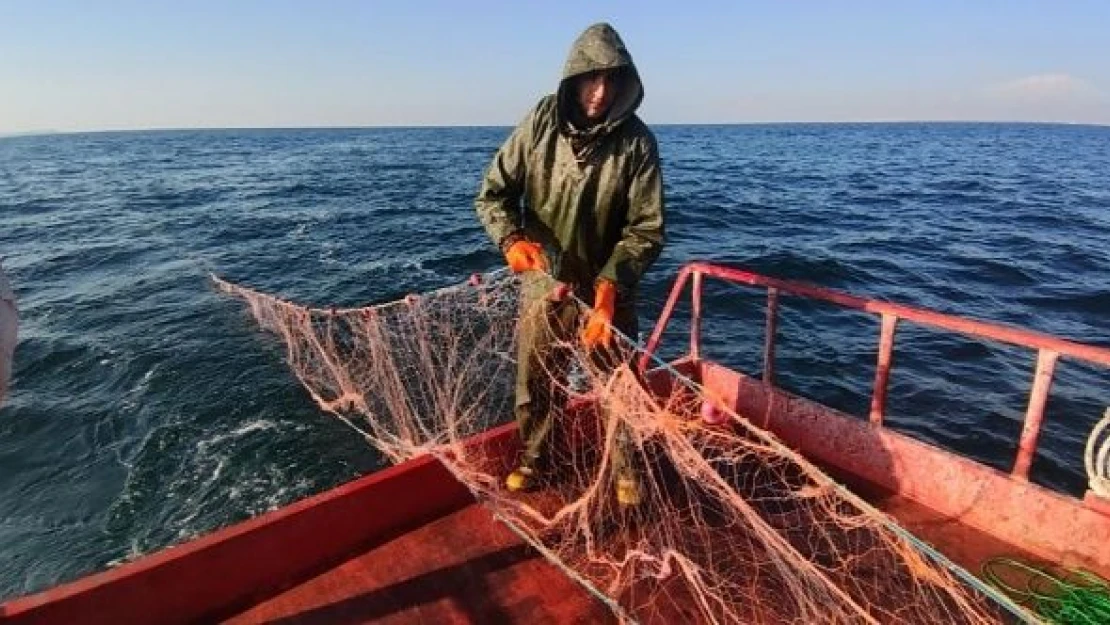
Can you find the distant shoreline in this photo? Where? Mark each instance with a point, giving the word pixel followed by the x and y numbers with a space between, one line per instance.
pixel 42 133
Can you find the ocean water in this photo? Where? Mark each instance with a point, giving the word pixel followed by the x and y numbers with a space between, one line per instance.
pixel 146 408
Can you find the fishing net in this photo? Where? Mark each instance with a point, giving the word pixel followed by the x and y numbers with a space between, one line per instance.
pixel 731 526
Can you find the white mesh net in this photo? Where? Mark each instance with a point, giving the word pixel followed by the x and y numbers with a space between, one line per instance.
pixel 731 525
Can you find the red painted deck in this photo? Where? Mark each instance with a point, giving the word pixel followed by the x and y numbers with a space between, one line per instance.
pixel 463 568
pixel 469 568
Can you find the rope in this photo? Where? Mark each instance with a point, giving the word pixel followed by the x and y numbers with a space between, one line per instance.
pixel 1075 597
pixel 1003 601
pixel 926 549
pixel 1097 457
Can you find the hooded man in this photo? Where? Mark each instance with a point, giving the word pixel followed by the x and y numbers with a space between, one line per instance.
pixel 575 190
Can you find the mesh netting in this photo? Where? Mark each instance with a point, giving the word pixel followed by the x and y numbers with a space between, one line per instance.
pixel 731 526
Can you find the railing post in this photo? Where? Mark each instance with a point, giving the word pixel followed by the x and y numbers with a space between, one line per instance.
pixel 1034 415
pixel 695 318
pixel 882 368
pixel 769 336
pixel 664 319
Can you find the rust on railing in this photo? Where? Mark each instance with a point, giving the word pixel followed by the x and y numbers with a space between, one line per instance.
pixel 1034 415
pixel 1050 348
pixel 882 368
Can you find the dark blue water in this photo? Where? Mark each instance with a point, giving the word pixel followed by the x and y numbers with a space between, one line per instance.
pixel 146 408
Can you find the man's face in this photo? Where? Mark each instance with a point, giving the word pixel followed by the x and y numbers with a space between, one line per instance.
pixel 596 92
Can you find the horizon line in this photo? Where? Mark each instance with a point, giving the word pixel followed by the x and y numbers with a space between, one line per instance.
pixel 47 132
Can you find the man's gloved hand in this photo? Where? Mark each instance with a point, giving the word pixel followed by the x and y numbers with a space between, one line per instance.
pixel 525 255
pixel 599 329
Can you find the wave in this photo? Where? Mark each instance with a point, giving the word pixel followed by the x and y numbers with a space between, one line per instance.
pixel 815 268
pixel 126 351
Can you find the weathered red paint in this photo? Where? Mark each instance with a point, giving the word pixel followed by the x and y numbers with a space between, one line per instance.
pixel 888 311
pixel 1097 503
pixel 1005 334
pixel 961 493
pixel 462 568
pixel 882 369
pixel 1034 415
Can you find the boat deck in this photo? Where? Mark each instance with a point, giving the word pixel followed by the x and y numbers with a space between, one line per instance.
pixel 463 568
pixel 469 568
pixel 962 544
pixel 966 546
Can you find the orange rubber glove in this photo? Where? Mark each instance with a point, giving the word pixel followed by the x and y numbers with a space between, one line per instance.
pixel 525 255
pixel 599 328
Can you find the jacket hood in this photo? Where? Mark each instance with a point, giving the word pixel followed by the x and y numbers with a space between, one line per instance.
pixel 600 47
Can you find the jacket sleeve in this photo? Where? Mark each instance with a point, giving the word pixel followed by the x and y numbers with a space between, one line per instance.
pixel 499 199
pixel 643 233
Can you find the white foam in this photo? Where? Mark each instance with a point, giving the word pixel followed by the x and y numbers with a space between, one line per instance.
pixel 259 425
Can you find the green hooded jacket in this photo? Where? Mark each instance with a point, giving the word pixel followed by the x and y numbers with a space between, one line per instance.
pixel 593 197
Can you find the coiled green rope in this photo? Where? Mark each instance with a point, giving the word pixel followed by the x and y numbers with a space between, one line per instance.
pixel 1074 597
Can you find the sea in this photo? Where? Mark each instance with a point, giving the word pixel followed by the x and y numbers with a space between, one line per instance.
pixel 146 408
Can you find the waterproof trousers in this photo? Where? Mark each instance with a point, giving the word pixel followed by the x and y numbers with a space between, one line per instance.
pixel 547 344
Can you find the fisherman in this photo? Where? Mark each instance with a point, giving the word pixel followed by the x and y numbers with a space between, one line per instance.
pixel 8 322
pixel 576 194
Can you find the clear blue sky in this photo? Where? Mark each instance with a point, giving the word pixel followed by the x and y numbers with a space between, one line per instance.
pixel 162 64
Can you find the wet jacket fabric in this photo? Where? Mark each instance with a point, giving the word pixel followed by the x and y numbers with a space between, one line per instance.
pixel 593 196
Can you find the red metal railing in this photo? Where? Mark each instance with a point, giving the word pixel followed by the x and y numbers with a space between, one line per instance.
pixel 1049 348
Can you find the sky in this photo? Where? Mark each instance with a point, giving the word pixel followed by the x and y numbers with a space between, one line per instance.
pixel 99 65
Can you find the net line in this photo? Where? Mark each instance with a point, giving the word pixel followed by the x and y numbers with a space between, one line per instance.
pixel 734 526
